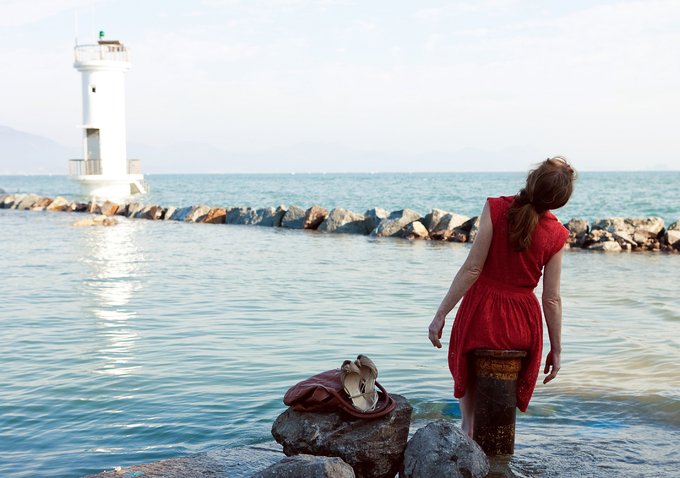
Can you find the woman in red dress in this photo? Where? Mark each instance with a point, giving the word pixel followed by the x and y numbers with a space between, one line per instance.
pixel 519 240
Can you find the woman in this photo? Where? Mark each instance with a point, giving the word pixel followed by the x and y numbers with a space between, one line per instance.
pixel 518 240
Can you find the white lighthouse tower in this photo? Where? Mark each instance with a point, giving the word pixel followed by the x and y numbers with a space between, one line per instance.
pixel 105 170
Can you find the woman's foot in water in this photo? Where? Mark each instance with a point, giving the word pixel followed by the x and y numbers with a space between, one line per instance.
pixel 467 411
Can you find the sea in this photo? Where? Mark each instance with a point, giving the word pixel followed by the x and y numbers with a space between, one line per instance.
pixel 150 340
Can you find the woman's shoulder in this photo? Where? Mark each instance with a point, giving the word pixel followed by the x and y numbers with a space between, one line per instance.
pixel 499 204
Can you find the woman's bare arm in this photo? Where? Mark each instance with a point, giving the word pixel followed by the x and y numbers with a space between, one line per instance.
pixel 552 309
pixel 467 275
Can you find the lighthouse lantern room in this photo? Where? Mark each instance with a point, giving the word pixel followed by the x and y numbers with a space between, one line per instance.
pixel 105 170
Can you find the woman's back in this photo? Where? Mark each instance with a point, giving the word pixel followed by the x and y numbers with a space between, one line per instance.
pixel 521 269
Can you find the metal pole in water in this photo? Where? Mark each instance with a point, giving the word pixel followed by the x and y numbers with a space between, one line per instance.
pixel 495 399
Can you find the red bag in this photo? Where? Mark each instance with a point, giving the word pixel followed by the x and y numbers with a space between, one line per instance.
pixel 324 392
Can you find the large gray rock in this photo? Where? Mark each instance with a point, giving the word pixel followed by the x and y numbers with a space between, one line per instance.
pixel 150 211
pixel 432 218
pixel 26 202
pixel 179 214
pixel 270 217
pixel 613 224
pixel 374 448
pixel 233 214
pixel 577 227
pixel 373 218
pixel 651 224
pixel 442 450
pixel 293 218
pixel 449 222
pixel 344 222
pixel 197 213
pixel 307 466
pixel 15 201
pixel 673 239
pixel 133 208
pixel 392 225
pixel 471 226
pixel 675 226
pixel 169 212
pixel 415 230
pixel 7 201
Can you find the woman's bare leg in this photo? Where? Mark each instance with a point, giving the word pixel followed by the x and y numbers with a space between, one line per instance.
pixel 467 410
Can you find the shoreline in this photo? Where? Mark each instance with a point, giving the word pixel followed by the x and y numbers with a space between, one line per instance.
pixel 605 235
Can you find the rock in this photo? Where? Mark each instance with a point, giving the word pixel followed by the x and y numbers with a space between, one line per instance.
pixel 293 218
pixel 373 218
pixel 7 201
pixel 269 216
pixel 96 221
pixel 673 238
pixel 451 221
pixel 180 213
pixel 613 224
pixel 81 207
pixel 122 210
pixel 373 448
pixel 196 214
pixel 41 203
pixel 26 201
pixel 675 226
pixel 609 246
pixel 93 207
pixel 655 225
pixel 234 214
pixel 442 450
pixel 151 212
pixel 16 199
pixel 577 227
pixel 109 208
pixel 307 466
pixel 392 225
pixel 216 215
pixel 343 221
pixel 474 228
pixel 416 230
pixel 641 237
pixel 58 204
pixel 314 216
pixel 624 239
pixel 432 218
pixel 169 212
pixel 133 208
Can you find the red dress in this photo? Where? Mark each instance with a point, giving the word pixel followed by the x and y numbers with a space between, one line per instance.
pixel 500 311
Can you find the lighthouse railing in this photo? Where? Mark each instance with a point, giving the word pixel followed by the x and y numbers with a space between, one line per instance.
pixel 82 167
pixel 102 52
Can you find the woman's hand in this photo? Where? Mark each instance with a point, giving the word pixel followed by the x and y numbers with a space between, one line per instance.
pixel 552 360
pixel 436 328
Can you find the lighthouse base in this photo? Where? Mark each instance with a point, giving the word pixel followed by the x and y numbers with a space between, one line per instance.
pixel 127 185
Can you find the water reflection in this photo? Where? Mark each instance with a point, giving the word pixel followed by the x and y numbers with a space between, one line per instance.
pixel 113 259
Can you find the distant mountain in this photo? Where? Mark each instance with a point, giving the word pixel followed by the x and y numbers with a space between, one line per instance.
pixel 25 153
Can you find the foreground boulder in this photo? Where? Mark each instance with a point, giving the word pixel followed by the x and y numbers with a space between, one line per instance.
pixel 307 466
pixel 344 222
pixel 96 221
pixel 58 204
pixel 294 217
pixel 395 222
pixel 442 450
pixel 314 216
pixel 216 215
pixel 373 218
pixel 449 222
pixel 373 448
pixel 673 239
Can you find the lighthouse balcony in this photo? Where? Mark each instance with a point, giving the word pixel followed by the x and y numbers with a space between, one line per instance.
pixel 104 50
pixel 93 167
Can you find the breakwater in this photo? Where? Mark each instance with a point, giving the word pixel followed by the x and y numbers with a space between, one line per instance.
pixel 605 235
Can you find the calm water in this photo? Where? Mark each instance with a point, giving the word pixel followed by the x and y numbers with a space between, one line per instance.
pixel 150 340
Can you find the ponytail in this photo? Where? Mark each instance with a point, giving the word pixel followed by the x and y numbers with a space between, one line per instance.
pixel 549 186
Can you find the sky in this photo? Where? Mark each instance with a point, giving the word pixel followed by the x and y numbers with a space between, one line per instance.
pixel 596 81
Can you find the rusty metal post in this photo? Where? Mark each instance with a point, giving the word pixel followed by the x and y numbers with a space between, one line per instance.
pixel 495 399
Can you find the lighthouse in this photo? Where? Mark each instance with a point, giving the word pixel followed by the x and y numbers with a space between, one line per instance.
pixel 105 170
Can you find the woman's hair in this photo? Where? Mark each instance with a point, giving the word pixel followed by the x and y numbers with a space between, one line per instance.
pixel 549 186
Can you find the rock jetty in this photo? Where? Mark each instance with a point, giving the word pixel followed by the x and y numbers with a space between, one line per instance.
pixel 605 235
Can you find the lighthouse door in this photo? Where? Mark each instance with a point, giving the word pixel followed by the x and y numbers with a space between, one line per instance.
pixel 93 144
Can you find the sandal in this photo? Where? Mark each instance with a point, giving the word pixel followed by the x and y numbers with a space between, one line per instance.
pixel 351 382
pixel 369 373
